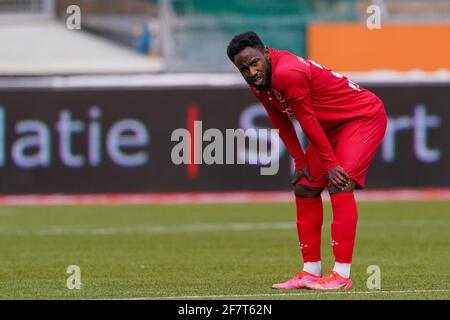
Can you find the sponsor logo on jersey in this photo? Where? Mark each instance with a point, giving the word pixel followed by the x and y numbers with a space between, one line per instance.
pixel 289 112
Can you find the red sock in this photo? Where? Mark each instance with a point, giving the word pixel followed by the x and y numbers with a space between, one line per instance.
pixel 343 228
pixel 309 227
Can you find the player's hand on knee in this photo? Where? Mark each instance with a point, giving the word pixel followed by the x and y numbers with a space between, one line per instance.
pixel 338 177
pixel 300 174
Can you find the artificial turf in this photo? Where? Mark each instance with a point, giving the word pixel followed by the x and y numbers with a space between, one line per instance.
pixel 214 251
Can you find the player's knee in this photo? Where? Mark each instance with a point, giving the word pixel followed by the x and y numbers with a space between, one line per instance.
pixel 350 188
pixel 306 192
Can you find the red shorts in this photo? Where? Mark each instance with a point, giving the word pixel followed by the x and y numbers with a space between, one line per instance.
pixel 355 145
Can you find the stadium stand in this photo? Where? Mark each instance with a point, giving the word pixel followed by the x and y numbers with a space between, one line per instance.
pixel 409 10
pixel 35 42
pixel 211 24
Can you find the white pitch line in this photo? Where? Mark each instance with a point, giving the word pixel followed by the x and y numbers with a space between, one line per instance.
pixel 195 228
pixel 284 294
pixel 151 229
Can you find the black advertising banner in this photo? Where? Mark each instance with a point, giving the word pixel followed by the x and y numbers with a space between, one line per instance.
pixel 194 139
pixel 416 147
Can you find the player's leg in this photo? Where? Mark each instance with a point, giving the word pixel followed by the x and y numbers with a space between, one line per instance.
pixel 356 145
pixel 309 225
pixel 309 205
pixel 343 234
pixel 343 229
pixel 310 213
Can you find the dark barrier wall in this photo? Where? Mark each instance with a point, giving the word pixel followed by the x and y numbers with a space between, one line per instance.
pixel 98 140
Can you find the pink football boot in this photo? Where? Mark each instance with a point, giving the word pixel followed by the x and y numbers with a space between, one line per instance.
pixel 331 282
pixel 299 281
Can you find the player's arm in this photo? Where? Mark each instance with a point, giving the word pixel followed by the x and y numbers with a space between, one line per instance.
pixel 289 137
pixel 310 125
pixel 296 87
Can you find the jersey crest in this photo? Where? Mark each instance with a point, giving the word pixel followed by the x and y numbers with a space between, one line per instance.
pixel 278 96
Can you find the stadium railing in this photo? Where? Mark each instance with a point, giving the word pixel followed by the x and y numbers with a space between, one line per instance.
pixel 26 9
pixel 209 25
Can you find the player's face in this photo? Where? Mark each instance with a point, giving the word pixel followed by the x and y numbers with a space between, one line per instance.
pixel 255 67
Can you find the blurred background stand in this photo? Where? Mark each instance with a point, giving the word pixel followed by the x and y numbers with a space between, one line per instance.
pixel 36 41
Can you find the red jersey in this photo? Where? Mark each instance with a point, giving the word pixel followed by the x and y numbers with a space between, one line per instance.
pixel 320 99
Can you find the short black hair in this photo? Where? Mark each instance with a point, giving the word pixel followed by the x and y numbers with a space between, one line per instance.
pixel 242 41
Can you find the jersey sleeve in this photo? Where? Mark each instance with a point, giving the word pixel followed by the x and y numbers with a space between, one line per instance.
pixel 297 93
pixel 287 134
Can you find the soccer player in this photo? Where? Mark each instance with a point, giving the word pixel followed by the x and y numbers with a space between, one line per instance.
pixel 344 123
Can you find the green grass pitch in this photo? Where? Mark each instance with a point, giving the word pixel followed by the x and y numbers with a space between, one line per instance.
pixel 216 251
